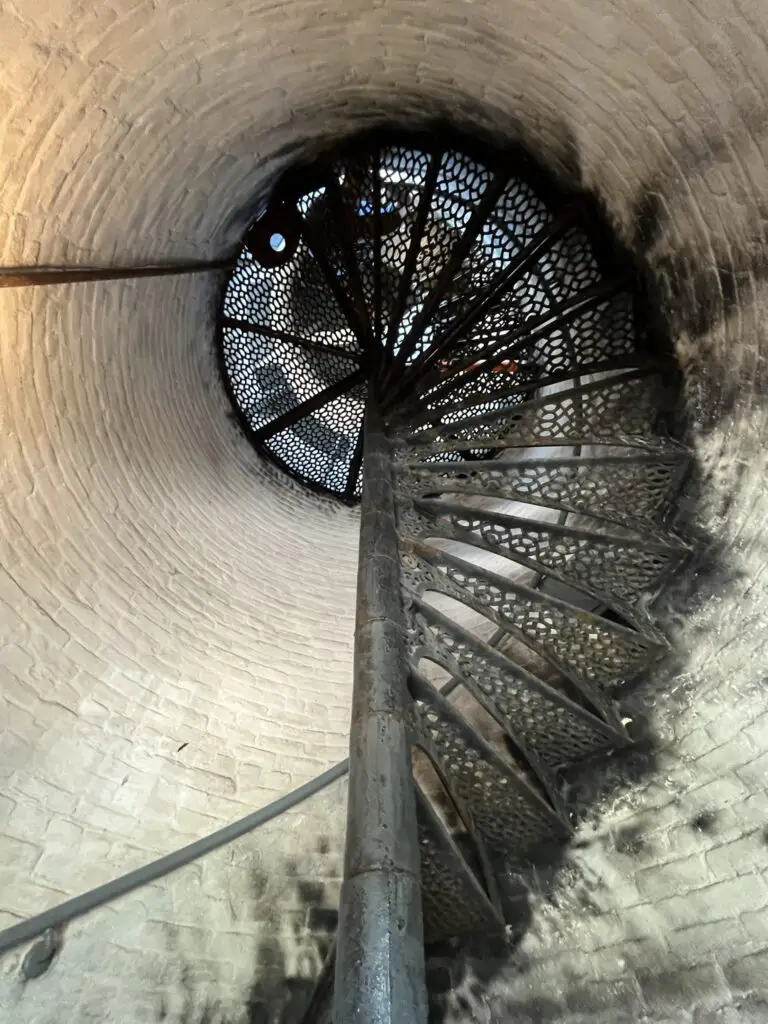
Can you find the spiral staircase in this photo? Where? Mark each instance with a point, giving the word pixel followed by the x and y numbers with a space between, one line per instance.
pixel 525 399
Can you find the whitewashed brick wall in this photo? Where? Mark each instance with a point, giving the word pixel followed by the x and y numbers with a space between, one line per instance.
pixel 153 571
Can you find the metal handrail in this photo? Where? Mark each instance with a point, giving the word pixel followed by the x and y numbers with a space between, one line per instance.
pixel 79 905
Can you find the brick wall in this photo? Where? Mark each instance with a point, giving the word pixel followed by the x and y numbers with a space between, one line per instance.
pixel 168 664
pixel 149 591
pixel 237 936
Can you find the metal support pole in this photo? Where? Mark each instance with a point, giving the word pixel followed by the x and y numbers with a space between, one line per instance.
pixel 380 952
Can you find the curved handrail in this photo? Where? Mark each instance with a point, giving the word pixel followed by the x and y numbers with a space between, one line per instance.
pixel 79 905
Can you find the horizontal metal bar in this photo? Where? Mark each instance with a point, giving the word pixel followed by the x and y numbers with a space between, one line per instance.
pixel 79 905
pixel 300 412
pixel 32 277
pixel 289 339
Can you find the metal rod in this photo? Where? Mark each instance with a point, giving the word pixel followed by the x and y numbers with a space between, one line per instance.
pixel 518 340
pixel 492 292
pixel 355 464
pixel 288 419
pixel 343 216
pixel 317 243
pixel 412 255
pixel 30 277
pixel 24 931
pixel 290 339
pixel 445 279
pixel 380 962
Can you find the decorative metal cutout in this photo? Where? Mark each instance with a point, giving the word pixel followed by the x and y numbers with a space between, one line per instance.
pixel 411 259
pixel 550 729
pixel 453 900
pixel 618 411
pixel 510 818
pixel 616 569
pixel 590 650
pixel 510 382
pixel 628 490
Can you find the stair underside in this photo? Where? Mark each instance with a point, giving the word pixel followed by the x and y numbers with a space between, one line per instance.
pixel 532 470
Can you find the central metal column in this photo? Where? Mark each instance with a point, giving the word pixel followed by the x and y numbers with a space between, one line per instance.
pixel 380 951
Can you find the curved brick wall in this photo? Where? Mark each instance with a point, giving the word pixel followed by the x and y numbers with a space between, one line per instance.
pixel 153 569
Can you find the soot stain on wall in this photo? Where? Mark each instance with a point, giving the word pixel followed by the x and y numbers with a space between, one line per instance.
pixel 286 963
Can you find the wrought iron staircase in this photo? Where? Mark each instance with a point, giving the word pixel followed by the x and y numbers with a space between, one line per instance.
pixel 441 329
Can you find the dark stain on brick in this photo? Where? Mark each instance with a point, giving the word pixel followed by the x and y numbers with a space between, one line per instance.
pixel 323 919
pixel 276 995
pixel 705 822
pixel 753 1008
pixel 764 836
pixel 256 1009
pixel 476 990
pixel 310 893
pixel 598 997
pixel 323 845
pixel 630 841
pixel 270 957
pixel 538 1010
pixel 436 1011
pixel 323 948
pixel 586 902
pixel 258 882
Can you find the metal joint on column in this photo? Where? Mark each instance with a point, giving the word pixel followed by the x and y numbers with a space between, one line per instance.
pixel 380 954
